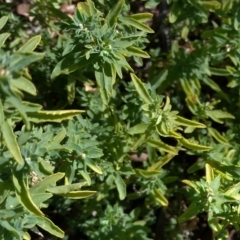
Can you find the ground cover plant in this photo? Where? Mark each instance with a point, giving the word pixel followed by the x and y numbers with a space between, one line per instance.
pixel 119 119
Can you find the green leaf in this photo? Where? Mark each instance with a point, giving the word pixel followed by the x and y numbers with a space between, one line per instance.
pixel 22 193
pixel 86 176
pixel 30 45
pixel 47 225
pixel 139 128
pixel 11 143
pixel 114 12
pixel 3 21
pixel 52 116
pixel 160 81
pixel 192 211
pixel 65 188
pixel 217 135
pixel 24 84
pixel 93 166
pixel 125 42
pixel 60 136
pixel 193 146
pixel 4 190
pixel 136 24
pixel 83 7
pixel 187 123
pixel 121 186
pixel 31 107
pixel 20 107
pixel 2 117
pixel 164 160
pixel 39 198
pixel 191 184
pixel 219 72
pixel 215 87
pixel 160 198
pixel 216 115
pixel 10 228
pixel 141 89
pixel 142 17
pixel 147 173
pixel 68 64
pixel 155 143
pixel 46 182
pixel 226 169
pixel 22 60
pixel 210 5
pixel 92 8
pixel 105 82
pixel 3 38
pixel 79 194
pixel 133 51
pixel 174 12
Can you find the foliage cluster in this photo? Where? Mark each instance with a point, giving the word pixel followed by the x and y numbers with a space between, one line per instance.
pixel 93 107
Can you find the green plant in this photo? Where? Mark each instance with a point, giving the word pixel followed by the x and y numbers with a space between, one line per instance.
pixel 93 61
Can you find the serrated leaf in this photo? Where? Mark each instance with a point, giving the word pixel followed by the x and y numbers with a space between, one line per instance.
pixel 121 187
pixel 11 143
pixel 214 133
pixel 65 188
pixel 155 143
pixel 52 116
pixel 112 15
pixel 141 89
pixel 30 45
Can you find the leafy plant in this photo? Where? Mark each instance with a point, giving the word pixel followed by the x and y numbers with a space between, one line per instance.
pixel 146 113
